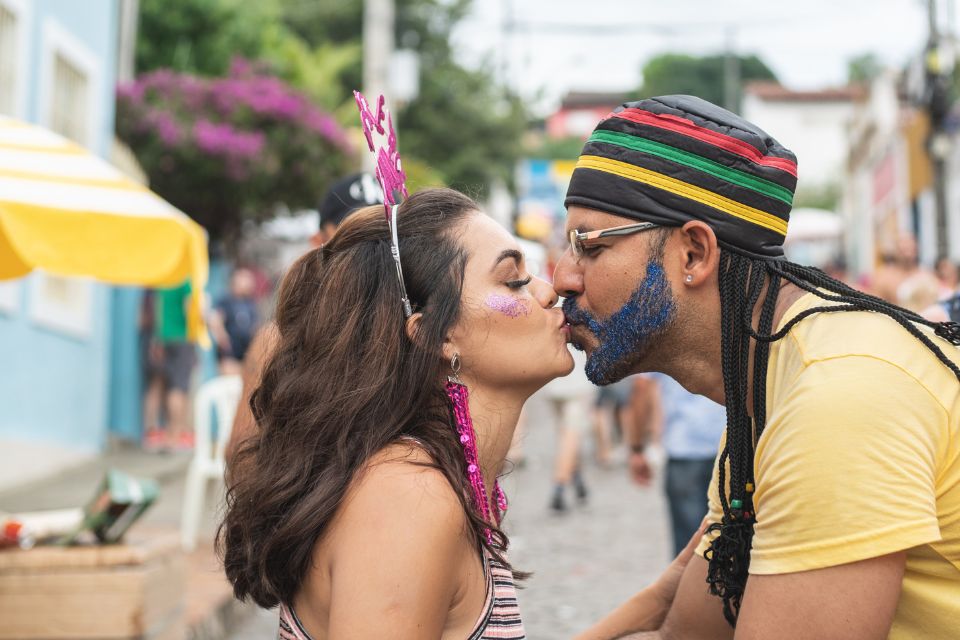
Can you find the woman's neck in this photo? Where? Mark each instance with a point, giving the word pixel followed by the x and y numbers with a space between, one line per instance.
pixel 495 414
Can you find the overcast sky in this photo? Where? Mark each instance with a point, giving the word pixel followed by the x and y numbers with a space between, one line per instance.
pixel 560 45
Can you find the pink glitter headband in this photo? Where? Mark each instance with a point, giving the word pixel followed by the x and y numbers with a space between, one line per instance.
pixel 389 173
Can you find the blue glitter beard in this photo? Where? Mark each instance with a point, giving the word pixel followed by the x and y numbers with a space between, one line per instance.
pixel 626 334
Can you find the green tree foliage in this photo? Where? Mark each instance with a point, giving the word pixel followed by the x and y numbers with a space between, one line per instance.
pixel 558 149
pixel 200 36
pixel 701 76
pixel 825 196
pixel 461 124
pixel 462 127
pixel 233 148
pixel 863 68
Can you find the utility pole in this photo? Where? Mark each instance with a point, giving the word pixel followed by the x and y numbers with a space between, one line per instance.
pixel 378 26
pixel 126 47
pixel 938 67
pixel 506 29
pixel 731 72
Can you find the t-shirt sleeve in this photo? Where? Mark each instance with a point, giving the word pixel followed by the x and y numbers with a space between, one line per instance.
pixel 846 468
pixel 714 510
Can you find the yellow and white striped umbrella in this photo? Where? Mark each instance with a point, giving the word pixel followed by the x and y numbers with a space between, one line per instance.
pixel 66 211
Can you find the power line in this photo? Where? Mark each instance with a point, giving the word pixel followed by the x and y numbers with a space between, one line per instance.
pixel 664 28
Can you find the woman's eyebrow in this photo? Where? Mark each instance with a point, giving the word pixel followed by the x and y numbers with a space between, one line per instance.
pixel 507 254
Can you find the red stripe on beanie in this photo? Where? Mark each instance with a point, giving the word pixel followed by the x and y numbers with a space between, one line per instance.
pixel 688 128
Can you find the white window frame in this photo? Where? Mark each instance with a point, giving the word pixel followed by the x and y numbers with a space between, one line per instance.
pixel 57 40
pixel 76 320
pixel 21 9
pixel 10 297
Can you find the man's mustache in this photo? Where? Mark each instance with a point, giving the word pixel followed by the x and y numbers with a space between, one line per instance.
pixel 573 313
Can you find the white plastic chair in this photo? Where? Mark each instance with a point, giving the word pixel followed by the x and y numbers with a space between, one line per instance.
pixel 221 394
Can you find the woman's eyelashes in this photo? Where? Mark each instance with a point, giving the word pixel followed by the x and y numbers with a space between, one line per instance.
pixel 519 284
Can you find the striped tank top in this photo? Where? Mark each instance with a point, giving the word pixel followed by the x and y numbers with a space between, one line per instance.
pixel 499 618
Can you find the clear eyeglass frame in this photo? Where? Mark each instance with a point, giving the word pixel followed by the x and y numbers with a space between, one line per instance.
pixel 582 240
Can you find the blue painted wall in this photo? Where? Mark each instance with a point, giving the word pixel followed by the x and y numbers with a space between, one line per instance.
pixel 54 387
pixel 126 372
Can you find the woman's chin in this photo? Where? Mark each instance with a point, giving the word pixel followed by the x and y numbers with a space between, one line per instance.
pixel 569 364
pixel 565 365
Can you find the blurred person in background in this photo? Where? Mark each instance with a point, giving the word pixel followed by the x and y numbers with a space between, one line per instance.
pixel 947 307
pixel 611 412
pixel 347 195
pixel 920 291
pixel 920 287
pixel 151 355
pixel 895 268
pixel 948 275
pixel 691 427
pixel 235 320
pixel 833 507
pixel 571 399
pixel 174 358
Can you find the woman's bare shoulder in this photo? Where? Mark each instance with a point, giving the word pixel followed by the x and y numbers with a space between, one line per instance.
pixel 400 488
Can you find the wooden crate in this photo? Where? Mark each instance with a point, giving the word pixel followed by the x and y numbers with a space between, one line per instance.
pixel 129 591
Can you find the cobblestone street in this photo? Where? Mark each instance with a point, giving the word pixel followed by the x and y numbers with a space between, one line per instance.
pixel 584 562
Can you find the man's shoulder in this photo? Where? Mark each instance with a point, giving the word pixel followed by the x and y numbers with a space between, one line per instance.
pixel 866 340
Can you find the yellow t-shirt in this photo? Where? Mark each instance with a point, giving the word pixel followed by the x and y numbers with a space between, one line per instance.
pixel 860 458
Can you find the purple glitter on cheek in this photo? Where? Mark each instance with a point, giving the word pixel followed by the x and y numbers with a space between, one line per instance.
pixel 508 305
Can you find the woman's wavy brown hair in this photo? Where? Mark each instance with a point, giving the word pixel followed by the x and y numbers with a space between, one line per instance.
pixel 344 382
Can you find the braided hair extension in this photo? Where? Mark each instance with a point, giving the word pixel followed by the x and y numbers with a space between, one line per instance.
pixel 742 280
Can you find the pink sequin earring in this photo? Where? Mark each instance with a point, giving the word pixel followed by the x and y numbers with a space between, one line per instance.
pixel 460 401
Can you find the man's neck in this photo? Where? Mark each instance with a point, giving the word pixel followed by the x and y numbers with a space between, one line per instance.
pixel 699 367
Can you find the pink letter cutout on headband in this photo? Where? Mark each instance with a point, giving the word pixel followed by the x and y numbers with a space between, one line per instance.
pixel 389 171
pixel 391 177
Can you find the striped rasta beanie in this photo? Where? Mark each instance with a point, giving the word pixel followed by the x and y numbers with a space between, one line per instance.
pixel 672 159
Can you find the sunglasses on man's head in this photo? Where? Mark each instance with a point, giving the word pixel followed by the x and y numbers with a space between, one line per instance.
pixel 580 241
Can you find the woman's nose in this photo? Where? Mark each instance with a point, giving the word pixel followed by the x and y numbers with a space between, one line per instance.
pixel 545 294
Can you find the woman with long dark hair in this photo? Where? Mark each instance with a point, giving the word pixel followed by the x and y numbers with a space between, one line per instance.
pixel 367 505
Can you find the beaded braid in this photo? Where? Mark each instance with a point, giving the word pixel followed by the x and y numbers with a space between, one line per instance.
pixel 741 283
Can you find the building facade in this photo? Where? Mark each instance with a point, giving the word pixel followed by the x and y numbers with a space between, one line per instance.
pixel 889 186
pixel 58 61
pixel 812 124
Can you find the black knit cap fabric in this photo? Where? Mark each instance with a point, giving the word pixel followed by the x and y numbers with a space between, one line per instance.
pixel 348 194
pixel 672 159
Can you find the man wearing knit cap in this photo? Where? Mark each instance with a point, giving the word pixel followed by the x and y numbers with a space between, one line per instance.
pixel 834 509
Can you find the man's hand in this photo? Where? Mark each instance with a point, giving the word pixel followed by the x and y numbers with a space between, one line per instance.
pixel 640 470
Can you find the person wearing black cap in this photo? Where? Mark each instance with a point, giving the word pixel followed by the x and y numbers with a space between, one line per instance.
pixel 345 196
pixel 834 511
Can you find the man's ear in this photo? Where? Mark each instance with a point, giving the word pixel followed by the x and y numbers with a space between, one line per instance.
pixel 701 253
